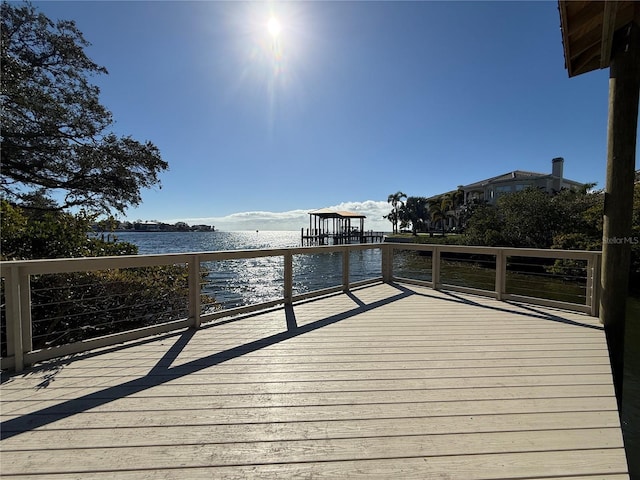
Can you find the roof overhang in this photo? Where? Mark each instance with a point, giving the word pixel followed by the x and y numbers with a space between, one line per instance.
pixel 327 213
pixel 588 28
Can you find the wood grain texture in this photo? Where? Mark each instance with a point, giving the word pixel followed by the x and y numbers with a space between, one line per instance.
pixel 386 381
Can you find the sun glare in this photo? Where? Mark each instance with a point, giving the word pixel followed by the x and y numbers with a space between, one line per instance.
pixel 274 27
pixel 273 42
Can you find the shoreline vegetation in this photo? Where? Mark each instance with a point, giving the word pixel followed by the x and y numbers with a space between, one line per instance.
pixel 151 226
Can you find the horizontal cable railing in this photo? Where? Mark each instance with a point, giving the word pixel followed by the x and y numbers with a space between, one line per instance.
pixel 57 307
pixel 566 279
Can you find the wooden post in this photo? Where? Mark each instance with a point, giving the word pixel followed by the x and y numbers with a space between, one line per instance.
pixel 13 317
pixel 593 285
pixel 288 278
pixel 387 262
pixel 596 291
pixel 501 273
pixel 624 85
pixel 24 280
pixel 345 269
pixel 591 280
pixel 435 268
pixel 194 291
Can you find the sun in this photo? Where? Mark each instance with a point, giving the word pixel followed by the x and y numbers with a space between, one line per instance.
pixel 274 27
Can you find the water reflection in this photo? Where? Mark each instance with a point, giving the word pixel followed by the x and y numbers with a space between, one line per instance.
pixel 243 282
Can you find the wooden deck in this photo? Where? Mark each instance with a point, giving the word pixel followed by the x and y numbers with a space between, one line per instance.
pixel 385 382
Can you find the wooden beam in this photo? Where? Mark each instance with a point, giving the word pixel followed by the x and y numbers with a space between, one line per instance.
pixel 584 18
pixel 585 43
pixel 564 27
pixel 624 87
pixel 608 29
pixel 588 60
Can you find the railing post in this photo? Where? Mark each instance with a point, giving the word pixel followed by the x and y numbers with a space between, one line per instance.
pixel 435 268
pixel 593 284
pixel 588 293
pixel 387 262
pixel 345 269
pixel 24 280
pixel 14 320
pixel 194 291
pixel 501 273
pixel 288 278
pixel 597 283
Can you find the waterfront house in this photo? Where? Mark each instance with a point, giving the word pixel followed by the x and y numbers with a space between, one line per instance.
pixel 490 189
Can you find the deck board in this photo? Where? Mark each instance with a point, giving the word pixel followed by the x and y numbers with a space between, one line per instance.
pixel 386 381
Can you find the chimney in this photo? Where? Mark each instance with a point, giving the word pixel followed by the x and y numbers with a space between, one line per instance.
pixel 556 173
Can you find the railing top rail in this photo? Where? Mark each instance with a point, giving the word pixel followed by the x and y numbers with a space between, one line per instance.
pixel 509 251
pixel 66 265
pixel 552 253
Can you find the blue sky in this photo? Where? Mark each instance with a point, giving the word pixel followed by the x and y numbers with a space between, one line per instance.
pixel 352 101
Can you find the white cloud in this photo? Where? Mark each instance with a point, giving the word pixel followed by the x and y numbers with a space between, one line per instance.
pixel 293 219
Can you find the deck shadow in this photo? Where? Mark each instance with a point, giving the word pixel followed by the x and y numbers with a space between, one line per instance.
pixel 162 372
pixel 535 313
pixel 54 366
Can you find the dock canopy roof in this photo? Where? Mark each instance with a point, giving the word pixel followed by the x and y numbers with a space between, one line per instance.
pixel 587 31
pixel 328 213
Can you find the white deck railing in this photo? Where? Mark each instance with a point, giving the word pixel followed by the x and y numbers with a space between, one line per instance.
pixel 16 277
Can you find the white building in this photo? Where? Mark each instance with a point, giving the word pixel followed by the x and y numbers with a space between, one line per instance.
pixel 491 189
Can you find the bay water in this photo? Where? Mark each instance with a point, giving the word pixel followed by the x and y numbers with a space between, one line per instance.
pixel 240 282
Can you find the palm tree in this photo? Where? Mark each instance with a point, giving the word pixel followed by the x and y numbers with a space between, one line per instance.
pixel 444 207
pixel 436 214
pixel 416 211
pixel 458 206
pixel 447 207
pixel 440 209
pixel 396 201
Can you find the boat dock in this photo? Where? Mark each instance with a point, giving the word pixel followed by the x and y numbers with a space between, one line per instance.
pixel 332 227
pixel 318 237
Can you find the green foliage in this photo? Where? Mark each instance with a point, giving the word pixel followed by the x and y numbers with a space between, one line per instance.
pixel 437 240
pixel 56 143
pixel 484 226
pixel 55 137
pixel 581 220
pixel 529 218
pixel 451 239
pixel 437 212
pixel 441 209
pixel 396 201
pixel 447 211
pixel 580 216
pixel 416 212
pixel 33 234
pixel 569 220
pixel 72 307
